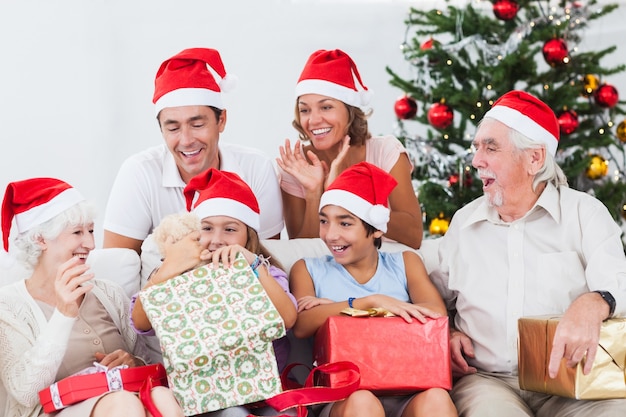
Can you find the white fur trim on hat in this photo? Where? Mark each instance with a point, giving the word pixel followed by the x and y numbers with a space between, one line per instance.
pixel 189 97
pixel 375 215
pixel 46 211
pixel 349 96
pixel 525 125
pixel 228 207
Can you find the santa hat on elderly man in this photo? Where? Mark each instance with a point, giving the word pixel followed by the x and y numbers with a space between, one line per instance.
pixel 528 115
pixel 363 189
pixel 33 202
pixel 222 193
pixel 193 77
pixel 333 74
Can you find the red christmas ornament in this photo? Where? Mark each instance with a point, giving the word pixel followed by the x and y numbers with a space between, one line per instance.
pixel 440 115
pixel 568 121
pixel 454 180
pixel 505 9
pixel 555 51
pixel 606 96
pixel 428 44
pixel 405 107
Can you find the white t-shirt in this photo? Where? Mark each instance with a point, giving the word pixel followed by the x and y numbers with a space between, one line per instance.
pixel 148 187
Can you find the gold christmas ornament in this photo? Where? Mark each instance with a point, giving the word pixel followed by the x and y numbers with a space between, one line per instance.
pixel 621 131
pixel 624 211
pixel 598 167
pixel 590 84
pixel 439 226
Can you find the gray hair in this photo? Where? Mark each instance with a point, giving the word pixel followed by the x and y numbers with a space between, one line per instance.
pixel 26 243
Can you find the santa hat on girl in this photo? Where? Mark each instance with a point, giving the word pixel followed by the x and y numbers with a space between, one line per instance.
pixel 192 77
pixel 528 115
pixel 34 201
pixel 363 189
pixel 333 74
pixel 222 193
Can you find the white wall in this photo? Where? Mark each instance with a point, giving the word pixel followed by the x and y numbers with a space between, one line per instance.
pixel 76 76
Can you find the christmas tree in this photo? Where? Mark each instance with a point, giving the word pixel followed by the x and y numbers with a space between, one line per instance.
pixel 462 59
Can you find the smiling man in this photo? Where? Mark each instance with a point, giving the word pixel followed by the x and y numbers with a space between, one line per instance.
pixel 529 246
pixel 191 116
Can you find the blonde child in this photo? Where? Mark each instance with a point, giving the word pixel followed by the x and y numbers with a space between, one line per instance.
pixel 353 215
pixel 229 215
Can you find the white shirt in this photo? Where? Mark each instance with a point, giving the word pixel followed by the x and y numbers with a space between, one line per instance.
pixel 149 187
pixel 494 272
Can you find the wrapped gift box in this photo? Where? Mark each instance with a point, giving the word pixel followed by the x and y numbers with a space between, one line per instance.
pixel 93 382
pixel 606 379
pixel 394 357
pixel 216 327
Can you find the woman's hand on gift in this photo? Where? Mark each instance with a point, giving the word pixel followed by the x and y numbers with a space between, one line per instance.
pixel 70 285
pixel 308 302
pixel 118 357
pixel 461 347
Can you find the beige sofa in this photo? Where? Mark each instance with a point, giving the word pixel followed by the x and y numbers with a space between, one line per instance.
pixel 127 269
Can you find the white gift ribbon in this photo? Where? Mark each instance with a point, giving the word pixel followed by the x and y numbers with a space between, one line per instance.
pixel 56 397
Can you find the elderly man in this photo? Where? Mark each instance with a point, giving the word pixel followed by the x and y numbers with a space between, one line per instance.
pixel 191 115
pixel 529 246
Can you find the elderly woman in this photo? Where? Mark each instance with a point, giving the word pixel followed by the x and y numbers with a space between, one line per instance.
pixel 60 321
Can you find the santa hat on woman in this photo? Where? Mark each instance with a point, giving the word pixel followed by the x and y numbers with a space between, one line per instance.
pixel 363 189
pixel 333 74
pixel 528 115
pixel 192 77
pixel 222 193
pixel 33 202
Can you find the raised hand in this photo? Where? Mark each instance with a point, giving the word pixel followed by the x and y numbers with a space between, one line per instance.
pixel 70 285
pixel 311 175
pixel 337 163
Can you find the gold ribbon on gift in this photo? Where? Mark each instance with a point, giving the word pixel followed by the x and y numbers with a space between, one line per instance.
pixel 607 378
pixel 370 312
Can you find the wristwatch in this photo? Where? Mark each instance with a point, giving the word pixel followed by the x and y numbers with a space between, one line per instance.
pixel 610 300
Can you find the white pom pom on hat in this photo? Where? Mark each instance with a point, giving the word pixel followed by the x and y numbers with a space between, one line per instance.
pixel 194 76
pixel 363 189
pixel 528 115
pixel 333 73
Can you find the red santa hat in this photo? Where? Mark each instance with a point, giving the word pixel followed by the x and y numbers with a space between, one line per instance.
pixel 363 189
pixel 192 77
pixel 528 115
pixel 34 201
pixel 222 193
pixel 333 74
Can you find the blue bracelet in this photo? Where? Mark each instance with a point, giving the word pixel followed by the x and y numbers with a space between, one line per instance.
pixel 350 301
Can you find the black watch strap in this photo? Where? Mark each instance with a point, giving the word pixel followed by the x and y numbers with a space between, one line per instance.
pixel 610 300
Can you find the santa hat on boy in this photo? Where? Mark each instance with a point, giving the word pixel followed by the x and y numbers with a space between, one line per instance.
pixel 192 77
pixel 528 115
pixel 363 189
pixel 34 201
pixel 333 74
pixel 222 193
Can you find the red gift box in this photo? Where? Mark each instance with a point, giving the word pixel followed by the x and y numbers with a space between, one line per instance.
pixel 82 386
pixel 394 357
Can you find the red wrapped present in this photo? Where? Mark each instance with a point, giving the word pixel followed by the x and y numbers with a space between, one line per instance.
pixel 394 357
pixel 98 380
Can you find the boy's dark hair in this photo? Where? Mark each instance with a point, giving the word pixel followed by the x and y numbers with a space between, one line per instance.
pixel 369 229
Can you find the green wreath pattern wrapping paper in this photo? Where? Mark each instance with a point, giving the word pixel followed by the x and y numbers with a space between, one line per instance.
pixel 215 328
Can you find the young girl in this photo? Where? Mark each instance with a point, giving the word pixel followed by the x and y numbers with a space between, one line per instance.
pixel 329 118
pixel 353 216
pixel 229 216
